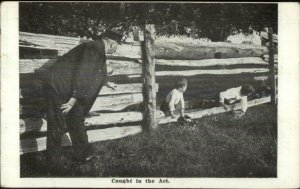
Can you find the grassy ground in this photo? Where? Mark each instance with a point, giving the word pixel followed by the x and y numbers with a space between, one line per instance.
pixel 214 146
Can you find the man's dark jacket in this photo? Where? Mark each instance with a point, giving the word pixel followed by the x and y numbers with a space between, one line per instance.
pixel 80 73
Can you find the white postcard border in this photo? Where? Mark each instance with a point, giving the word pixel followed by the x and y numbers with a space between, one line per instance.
pixel 288 116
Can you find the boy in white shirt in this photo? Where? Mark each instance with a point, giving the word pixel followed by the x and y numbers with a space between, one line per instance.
pixel 238 94
pixel 175 97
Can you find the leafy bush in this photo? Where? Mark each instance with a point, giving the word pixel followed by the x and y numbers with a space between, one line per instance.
pixel 215 21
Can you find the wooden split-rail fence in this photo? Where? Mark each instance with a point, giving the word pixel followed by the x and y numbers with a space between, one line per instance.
pixel 209 68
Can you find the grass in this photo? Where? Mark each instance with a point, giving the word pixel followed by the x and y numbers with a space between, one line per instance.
pixel 214 146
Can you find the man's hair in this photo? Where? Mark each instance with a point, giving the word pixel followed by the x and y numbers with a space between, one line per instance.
pixel 247 90
pixel 181 82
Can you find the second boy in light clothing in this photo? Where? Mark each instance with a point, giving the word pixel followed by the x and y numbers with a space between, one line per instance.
pixel 238 94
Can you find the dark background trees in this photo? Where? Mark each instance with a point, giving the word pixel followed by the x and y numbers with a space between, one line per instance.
pixel 215 21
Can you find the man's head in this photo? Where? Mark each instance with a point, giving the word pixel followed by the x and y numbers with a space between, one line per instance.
pixel 111 46
pixel 181 84
pixel 247 90
pixel 111 40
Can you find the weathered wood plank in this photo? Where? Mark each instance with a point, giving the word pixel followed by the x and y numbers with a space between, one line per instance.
pixel 122 88
pixel 116 102
pixel 33 125
pixel 40 125
pixel 109 102
pixel 164 48
pixel 212 62
pixel 215 72
pixel 119 89
pixel 125 107
pixel 116 118
pixel 39 144
pixel 27 66
pixel 130 67
pixel 205 50
pixel 202 72
pixel 50 38
pixel 26 52
pixel 118 67
pixel 124 67
pixel 61 43
pixel 64 44
pixel 115 108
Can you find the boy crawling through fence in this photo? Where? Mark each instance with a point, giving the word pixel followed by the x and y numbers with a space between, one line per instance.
pixel 174 98
pixel 234 95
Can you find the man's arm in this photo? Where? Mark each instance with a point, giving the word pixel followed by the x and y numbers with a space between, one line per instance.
pixel 111 85
pixel 182 106
pixel 172 105
pixel 244 103
pixel 222 99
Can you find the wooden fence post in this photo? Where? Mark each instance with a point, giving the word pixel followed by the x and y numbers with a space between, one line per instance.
pixel 149 90
pixel 272 67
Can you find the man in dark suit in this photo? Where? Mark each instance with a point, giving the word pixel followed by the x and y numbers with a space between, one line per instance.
pixel 71 86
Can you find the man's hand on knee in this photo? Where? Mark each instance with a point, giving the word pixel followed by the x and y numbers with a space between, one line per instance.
pixel 68 106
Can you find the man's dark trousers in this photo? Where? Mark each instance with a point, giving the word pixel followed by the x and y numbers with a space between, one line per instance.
pixel 79 74
pixel 74 120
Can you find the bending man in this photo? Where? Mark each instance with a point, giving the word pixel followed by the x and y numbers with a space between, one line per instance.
pixel 71 86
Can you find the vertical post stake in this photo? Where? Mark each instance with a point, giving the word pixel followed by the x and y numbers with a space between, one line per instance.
pixel 149 89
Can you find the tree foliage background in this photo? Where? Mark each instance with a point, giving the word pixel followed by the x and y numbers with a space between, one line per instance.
pixel 215 21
